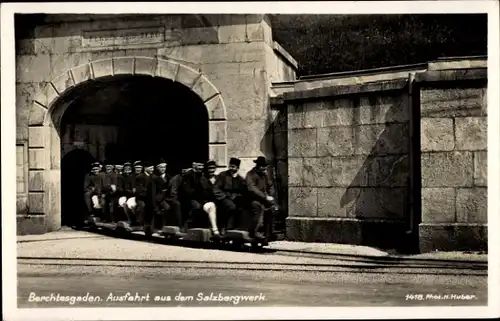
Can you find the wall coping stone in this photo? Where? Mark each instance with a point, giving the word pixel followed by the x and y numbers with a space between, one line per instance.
pixel 447 69
pixel 285 55
pixel 340 91
pixel 422 78
pixel 432 76
pixel 364 72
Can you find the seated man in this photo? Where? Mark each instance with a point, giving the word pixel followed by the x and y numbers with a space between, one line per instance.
pixel 138 167
pixel 144 195
pixel 131 202
pixel 176 195
pixel 118 169
pixel 93 189
pixel 164 202
pixel 229 190
pixel 125 188
pixel 197 192
pixel 109 196
pixel 260 191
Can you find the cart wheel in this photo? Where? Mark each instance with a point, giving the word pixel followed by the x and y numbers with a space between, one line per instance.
pixel 237 245
pixel 93 227
pixel 255 246
pixel 148 231
pixel 120 232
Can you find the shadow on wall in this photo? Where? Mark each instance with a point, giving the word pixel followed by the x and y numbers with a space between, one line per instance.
pixel 378 195
pixel 274 147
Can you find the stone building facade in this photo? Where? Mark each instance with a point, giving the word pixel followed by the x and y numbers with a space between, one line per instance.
pixel 347 157
pixel 228 61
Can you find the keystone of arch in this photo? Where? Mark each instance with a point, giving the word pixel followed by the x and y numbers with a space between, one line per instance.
pixel 50 92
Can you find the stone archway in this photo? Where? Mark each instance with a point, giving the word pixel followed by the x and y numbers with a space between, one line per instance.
pixel 48 107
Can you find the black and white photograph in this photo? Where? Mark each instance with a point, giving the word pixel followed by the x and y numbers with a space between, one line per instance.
pixel 256 157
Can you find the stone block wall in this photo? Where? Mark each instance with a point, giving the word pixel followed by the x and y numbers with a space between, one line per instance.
pixel 348 167
pixel 398 164
pixel 453 129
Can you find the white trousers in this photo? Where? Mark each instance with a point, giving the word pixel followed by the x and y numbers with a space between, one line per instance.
pixel 131 203
pixel 95 201
pixel 210 208
pixel 122 201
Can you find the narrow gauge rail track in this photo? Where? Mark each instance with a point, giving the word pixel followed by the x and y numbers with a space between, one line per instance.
pixel 250 266
pixel 380 261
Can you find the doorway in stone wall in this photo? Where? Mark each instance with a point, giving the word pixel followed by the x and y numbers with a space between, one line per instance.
pixel 128 118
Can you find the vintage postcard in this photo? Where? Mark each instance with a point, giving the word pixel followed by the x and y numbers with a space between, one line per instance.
pixel 264 160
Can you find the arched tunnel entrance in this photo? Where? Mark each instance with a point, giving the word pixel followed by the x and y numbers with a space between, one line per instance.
pixel 128 118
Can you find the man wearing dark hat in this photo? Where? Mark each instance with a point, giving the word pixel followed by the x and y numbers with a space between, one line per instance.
pixel 109 196
pixel 174 187
pixel 175 184
pixel 260 192
pixel 93 188
pixel 229 190
pixel 125 188
pixel 119 169
pixel 197 190
pixel 164 201
pixel 132 202
pixel 138 167
pixel 144 194
pixel 208 200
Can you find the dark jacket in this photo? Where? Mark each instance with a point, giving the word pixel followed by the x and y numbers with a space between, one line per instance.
pixel 227 186
pixel 108 179
pixel 196 186
pixel 259 185
pixel 174 185
pixel 125 185
pixel 144 188
pixel 161 187
pixel 93 183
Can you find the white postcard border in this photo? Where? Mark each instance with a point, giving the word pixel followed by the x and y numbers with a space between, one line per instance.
pixel 9 271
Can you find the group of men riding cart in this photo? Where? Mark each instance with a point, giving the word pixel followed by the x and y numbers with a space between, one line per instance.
pixel 145 194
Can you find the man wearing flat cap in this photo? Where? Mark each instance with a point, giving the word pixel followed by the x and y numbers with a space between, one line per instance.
pixel 174 187
pixel 119 169
pixel 93 188
pixel 125 188
pixel 138 167
pixel 185 190
pixel 109 181
pixel 144 194
pixel 197 189
pixel 131 203
pixel 261 194
pixel 229 191
pixel 165 203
